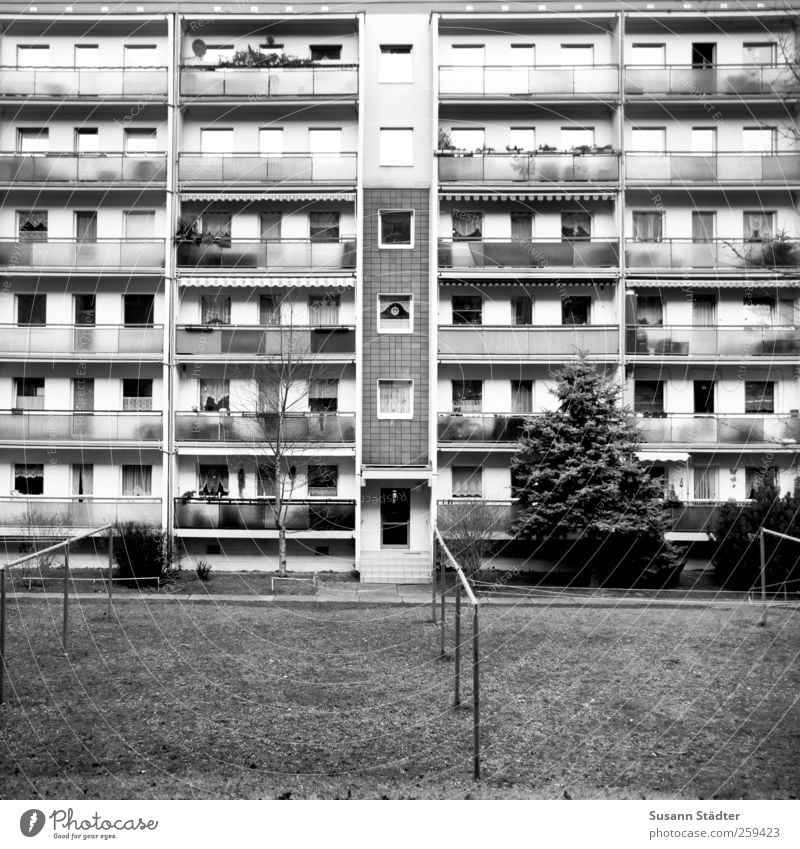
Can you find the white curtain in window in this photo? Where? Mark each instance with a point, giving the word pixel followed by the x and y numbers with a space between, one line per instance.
pixel 757 226
pixel 467 482
pixel 705 483
pixel 213 480
pixel 215 309
pixel 82 479
pixel 647 226
pixel 395 396
pixel 137 480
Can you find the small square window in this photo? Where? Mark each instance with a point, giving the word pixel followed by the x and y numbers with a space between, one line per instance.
pixel 576 309
pixel 396 65
pixel 395 399
pixel 214 395
pixel 326 52
pixel 467 482
pixel 137 480
pixel 32 310
pixel 396 147
pixel 29 479
pixel 396 228
pixel 323 480
pixel 648 397
pixel 759 396
pixel 467 309
pixel 395 314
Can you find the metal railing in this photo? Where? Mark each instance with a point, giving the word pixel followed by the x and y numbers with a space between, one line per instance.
pixel 480 427
pixel 529 167
pixel 712 341
pixel 83 168
pixel 211 168
pixel 70 82
pixel 73 253
pixel 212 340
pixel 255 427
pixel 527 340
pixel 530 253
pixel 587 81
pixel 91 339
pixel 21 512
pixel 257 514
pixel 279 254
pixel 720 429
pixel 733 80
pixel 726 167
pixel 82 426
pixel 713 253
pixel 313 81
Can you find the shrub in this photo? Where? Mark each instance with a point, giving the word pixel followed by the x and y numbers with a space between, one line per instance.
pixel 203 570
pixel 143 552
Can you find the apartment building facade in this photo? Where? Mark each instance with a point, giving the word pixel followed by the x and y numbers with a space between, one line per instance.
pixel 427 211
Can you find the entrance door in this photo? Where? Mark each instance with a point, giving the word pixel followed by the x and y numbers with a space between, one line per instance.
pixel 395 517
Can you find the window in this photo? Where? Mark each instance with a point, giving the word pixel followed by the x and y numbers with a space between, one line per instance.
pixel 705 483
pixel 649 310
pixel 270 142
pixel 85 309
pixel 756 477
pixel 649 139
pixel 521 227
pixel 471 55
pixel 395 399
pixel 216 141
pixel 704 225
pixel 394 314
pixel 140 55
pixel 759 311
pixel 82 479
pixel 576 309
pixel 323 480
pixel 323 226
pixel 214 395
pixel 138 310
pixel 758 226
pixel 271 49
pixel 29 392
pixel 704 140
pixel 86 226
pixel 468 138
pixel 323 310
pixel 137 480
pixel 396 228
pixel 759 396
pixel 212 480
pixel 760 53
pixel 325 140
pixel 396 65
pixel 467 309
pixel 467 482
pixel 271 226
pixel 648 397
pixel 215 308
pixel 522 139
pixel 33 140
pixel 323 395
pixel 522 311
pixel 396 147
pixel 467 396
pixel 217 226
pixel 137 394
pixel 87 140
pixel 576 227
pixel 32 226
pixel 29 478
pixel 648 226
pixel 326 52
pixel 33 55
pixel 522 396
pixel 704 310
pixel 269 310
pixel 652 55
pixel 523 55
pixel 577 54
pixel 32 309
pixel 139 224
pixel 467 225
pixel 141 140
pixel 704 396
pixel 577 138
pixel 759 139
pixel 704 54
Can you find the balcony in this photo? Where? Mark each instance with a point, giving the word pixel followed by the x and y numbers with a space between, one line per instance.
pixel 501 514
pixel 21 426
pixel 585 82
pixel 81 339
pixel 733 81
pixel 281 255
pixel 25 515
pixel 733 342
pixel 694 516
pixel 721 254
pixel 296 428
pixel 94 83
pixel 529 168
pixel 480 427
pixel 526 342
pixel 728 168
pixel 103 254
pixel 105 169
pixel 720 430
pixel 324 81
pixel 534 253
pixel 256 514
pixel 224 340
pixel 253 168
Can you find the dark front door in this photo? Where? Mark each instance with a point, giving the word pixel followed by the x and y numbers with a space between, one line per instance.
pixel 395 516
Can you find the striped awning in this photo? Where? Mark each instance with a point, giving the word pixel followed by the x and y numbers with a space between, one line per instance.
pixel 227 196
pixel 526 282
pixel 740 283
pixel 304 282
pixel 663 456
pixel 538 196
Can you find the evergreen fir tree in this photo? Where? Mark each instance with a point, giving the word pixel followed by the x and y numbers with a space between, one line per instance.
pixel 578 479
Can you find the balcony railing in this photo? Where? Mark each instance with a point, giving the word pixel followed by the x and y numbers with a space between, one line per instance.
pixel 268 256
pixel 730 80
pixel 209 168
pixel 71 253
pixel 533 253
pixel 674 167
pixel 81 339
pixel 526 341
pixel 715 253
pixel 752 429
pixel 499 514
pixel 555 167
pixel 296 428
pixel 48 425
pixel 585 81
pixel 716 341
pixel 480 427
pixel 239 341
pixel 329 81
pixel 43 514
pixel 257 514
pixel 141 83
pixel 106 168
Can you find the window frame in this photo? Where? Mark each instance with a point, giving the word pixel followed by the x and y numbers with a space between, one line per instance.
pixel 386 67
pixel 397 246
pixel 395 416
pixel 331 491
pixel 475 474
pixel 389 296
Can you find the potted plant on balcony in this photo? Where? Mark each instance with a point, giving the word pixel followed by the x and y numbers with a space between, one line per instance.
pixel 252 58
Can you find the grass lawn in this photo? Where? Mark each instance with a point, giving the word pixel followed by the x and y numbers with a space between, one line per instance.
pixel 202 701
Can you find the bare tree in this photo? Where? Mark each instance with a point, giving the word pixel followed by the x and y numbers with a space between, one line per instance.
pixel 470 528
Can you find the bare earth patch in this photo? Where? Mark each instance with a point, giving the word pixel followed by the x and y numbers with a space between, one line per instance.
pixel 224 701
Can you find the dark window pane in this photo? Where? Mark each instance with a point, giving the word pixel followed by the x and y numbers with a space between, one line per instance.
pixel 31 309
pixel 396 228
pixel 648 396
pixel 467 309
pixel 138 310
